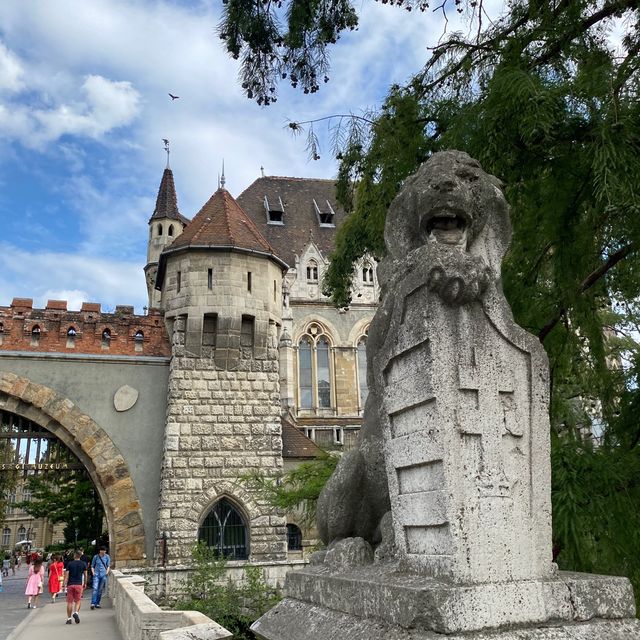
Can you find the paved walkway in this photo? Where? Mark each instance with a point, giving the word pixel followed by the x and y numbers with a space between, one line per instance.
pixel 48 620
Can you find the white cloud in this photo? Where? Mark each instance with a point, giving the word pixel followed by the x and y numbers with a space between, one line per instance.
pixel 76 278
pixel 11 70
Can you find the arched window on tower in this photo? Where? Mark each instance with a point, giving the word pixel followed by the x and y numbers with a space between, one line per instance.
pixel 159 229
pixel 106 338
pixel 314 369
pixel 170 232
pixel 225 530
pixel 312 271
pixel 294 538
pixel 361 354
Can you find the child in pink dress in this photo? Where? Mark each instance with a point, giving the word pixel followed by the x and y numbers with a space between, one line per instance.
pixel 35 582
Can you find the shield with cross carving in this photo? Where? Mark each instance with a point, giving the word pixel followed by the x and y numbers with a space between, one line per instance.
pixel 461 407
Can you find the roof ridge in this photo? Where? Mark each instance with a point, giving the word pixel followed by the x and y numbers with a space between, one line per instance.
pixel 225 193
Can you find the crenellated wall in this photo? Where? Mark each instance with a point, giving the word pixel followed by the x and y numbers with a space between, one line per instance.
pixel 88 331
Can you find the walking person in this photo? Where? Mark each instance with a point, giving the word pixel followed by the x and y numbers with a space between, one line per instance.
pixel 6 565
pixel 100 569
pixel 56 576
pixel 74 575
pixel 35 583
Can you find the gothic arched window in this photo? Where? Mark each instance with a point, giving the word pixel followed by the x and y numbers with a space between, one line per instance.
pixel 170 229
pixel 367 273
pixel 294 538
pixel 224 529
pixel 312 271
pixel 361 355
pixel 314 369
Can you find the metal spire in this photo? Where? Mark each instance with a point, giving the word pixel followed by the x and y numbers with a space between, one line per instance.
pixel 166 148
pixel 222 180
pixel 262 171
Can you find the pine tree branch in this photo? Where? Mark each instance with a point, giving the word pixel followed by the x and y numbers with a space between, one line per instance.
pixel 587 283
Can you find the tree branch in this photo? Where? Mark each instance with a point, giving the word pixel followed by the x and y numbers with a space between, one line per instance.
pixel 587 283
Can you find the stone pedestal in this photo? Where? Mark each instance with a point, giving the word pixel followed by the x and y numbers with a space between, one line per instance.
pixel 379 602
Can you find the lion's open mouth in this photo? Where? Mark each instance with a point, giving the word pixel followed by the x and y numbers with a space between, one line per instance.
pixel 448 227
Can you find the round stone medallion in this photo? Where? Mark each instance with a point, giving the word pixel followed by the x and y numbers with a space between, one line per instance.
pixel 125 397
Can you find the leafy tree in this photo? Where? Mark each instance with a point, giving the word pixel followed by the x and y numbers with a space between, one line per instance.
pixel 71 499
pixel 547 98
pixel 8 479
pixel 298 489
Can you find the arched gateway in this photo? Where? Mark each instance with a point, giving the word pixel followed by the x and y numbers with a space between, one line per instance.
pixel 95 449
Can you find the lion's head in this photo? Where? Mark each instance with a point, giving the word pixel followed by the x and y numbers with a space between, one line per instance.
pixel 449 201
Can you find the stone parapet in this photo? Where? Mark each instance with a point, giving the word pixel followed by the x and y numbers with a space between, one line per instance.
pixel 88 331
pixel 139 618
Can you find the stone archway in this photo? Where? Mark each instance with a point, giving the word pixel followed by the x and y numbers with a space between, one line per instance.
pixel 95 449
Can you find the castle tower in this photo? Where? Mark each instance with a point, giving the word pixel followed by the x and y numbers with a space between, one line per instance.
pixel 222 295
pixel 165 225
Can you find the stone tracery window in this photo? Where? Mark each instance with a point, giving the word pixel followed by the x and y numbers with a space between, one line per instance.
pixel 312 271
pixel 225 530
pixel 367 273
pixel 314 369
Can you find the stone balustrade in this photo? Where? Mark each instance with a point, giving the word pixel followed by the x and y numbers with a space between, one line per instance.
pixel 139 618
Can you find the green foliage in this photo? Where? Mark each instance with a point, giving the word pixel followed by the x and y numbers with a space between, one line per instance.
pixel 297 490
pixel 8 479
pixel 71 499
pixel 234 606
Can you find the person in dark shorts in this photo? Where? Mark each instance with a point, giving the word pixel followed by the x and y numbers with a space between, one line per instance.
pixel 74 581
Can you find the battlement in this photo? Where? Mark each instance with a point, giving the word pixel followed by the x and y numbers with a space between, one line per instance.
pixel 54 329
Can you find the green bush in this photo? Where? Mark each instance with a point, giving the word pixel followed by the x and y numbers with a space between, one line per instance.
pixel 210 591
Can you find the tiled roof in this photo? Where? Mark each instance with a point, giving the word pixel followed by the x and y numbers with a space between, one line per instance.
pixel 300 217
pixel 222 223
pixel 167 201
pixel 295 444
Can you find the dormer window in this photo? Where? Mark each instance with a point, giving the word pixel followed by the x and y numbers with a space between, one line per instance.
pixel 312 271
pixel 275 210
pixel 367 273
pixel 325 213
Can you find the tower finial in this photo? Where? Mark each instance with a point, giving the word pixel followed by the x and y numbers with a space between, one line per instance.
pixel 222 180
pixel 262 171
pixel 166 148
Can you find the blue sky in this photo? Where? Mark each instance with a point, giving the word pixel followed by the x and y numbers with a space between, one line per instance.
pixel 84 108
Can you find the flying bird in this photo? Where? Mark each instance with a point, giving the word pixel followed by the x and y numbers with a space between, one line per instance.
pixel 173 97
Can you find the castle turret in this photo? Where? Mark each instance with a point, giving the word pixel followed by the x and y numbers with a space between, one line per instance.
pixel 165 225
pixel 222 295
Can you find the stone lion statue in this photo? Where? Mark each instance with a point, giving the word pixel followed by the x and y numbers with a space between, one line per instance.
pixel 449 228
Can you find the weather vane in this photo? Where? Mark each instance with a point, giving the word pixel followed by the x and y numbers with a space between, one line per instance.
pixel 166 148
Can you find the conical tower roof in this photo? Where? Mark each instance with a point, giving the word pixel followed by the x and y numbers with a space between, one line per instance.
pixel 222 223
pixel 167 201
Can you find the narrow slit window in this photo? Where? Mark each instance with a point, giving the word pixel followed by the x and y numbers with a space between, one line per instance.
pixel 247 331
pixel 209 329
pixel 210 279
pixel 178 281
pixel 249 281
